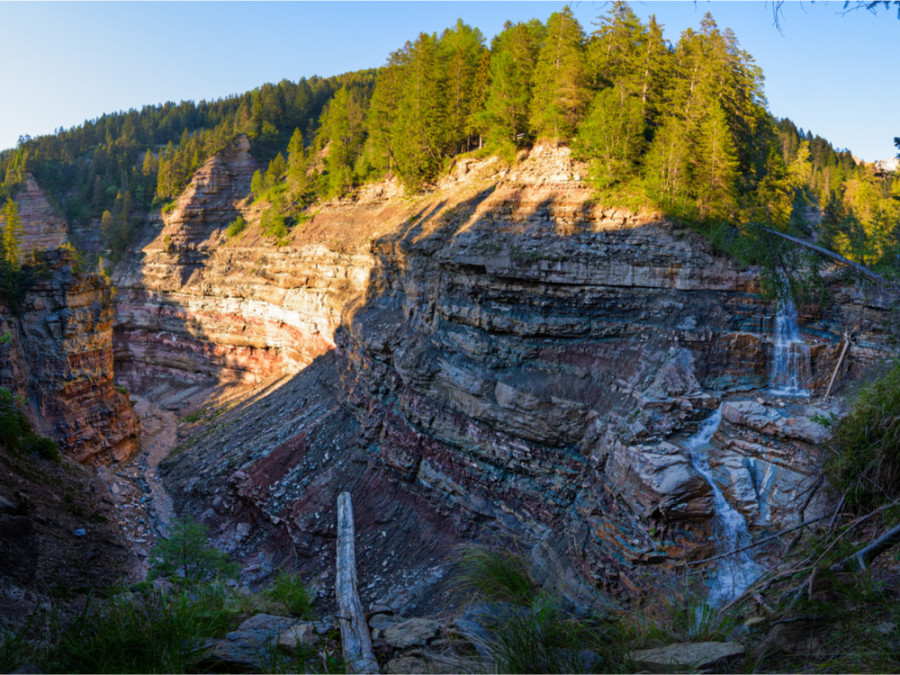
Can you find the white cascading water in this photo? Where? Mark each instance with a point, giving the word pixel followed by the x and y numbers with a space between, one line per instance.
pixel 732 574
pixel 790 362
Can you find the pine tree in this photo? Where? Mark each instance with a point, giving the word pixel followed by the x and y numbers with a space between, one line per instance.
pixel 559 93
pixel 616 48
pixel 257 184
pixel 343 129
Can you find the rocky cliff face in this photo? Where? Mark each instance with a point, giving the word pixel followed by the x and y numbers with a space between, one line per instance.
pixel 498 358
pixel 197 309
pixel 41 227
pixel 60 361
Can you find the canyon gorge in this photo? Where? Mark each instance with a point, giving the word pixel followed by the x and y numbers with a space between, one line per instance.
pixel 500 359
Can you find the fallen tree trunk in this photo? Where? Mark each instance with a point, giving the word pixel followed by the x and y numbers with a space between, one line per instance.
pixel 836 257
pixel 356 641
pixel 864 556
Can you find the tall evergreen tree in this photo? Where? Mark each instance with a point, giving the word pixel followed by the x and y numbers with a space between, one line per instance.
pixel 507 106
pixel 461 49
pixel 297 165
pixel 559 94
pixel 12 234
pixel 612 134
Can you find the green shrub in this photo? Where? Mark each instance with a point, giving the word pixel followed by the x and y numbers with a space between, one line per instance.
pixel 16 432
pixel 272 224
pixel 290 591
pixel 684 617
pixel 235 227
pixel 864 462
pixel 46 448
pixel 186 556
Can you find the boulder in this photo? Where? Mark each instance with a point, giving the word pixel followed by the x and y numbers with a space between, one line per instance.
pixel 661 481
pixel 412 633
pixel 299 637
pixel 687 655
pixel 247 649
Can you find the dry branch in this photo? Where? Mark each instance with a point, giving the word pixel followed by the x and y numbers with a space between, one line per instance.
pixel 862 558
pixel 838 366
pixel 756 543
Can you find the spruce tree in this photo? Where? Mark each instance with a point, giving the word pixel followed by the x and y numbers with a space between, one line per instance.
pixel 297 181
pixel 507 107
pixel 612 134
pixel 559 94
pixel 461 49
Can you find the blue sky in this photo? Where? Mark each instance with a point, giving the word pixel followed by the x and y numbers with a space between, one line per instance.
pixel 834 74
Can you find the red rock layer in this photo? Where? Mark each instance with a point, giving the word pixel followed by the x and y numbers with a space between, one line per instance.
pixel 61 362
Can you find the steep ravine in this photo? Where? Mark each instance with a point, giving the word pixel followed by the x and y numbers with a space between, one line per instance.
pixel 498 359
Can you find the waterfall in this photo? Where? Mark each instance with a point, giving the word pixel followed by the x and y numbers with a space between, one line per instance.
pixel 733 574
pixel 790 362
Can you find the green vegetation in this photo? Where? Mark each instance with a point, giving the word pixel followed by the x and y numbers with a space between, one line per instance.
pixel 495 575
pixel 187 557
pixel 681 128
pixel 290 591
pixel 16 432
pixel 153 632
pixel 530 630
pixel 235 227
pixel 864 463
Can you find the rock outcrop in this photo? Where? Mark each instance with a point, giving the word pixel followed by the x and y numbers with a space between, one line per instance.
pixel 60 361
pixel 42 228
pixel 501 357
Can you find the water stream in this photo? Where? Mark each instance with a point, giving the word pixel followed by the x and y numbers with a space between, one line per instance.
pixel 732 574
pixel 790 362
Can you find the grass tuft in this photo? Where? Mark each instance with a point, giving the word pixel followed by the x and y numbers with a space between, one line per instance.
pixel 501 576
pixel 290 591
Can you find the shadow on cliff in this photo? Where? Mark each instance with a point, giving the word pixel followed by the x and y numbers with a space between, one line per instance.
pixel 353 420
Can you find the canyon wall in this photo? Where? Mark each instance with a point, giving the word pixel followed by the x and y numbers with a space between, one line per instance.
pixel 60 361
pixel 500 358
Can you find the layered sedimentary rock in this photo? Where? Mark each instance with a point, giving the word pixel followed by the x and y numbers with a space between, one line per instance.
pixel 196 307
pixel 510 359
pixel 42 228
pixel 60 361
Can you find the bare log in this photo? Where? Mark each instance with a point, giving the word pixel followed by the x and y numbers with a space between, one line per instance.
pixel 865 555
pixel 838 366
pixel 356 641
